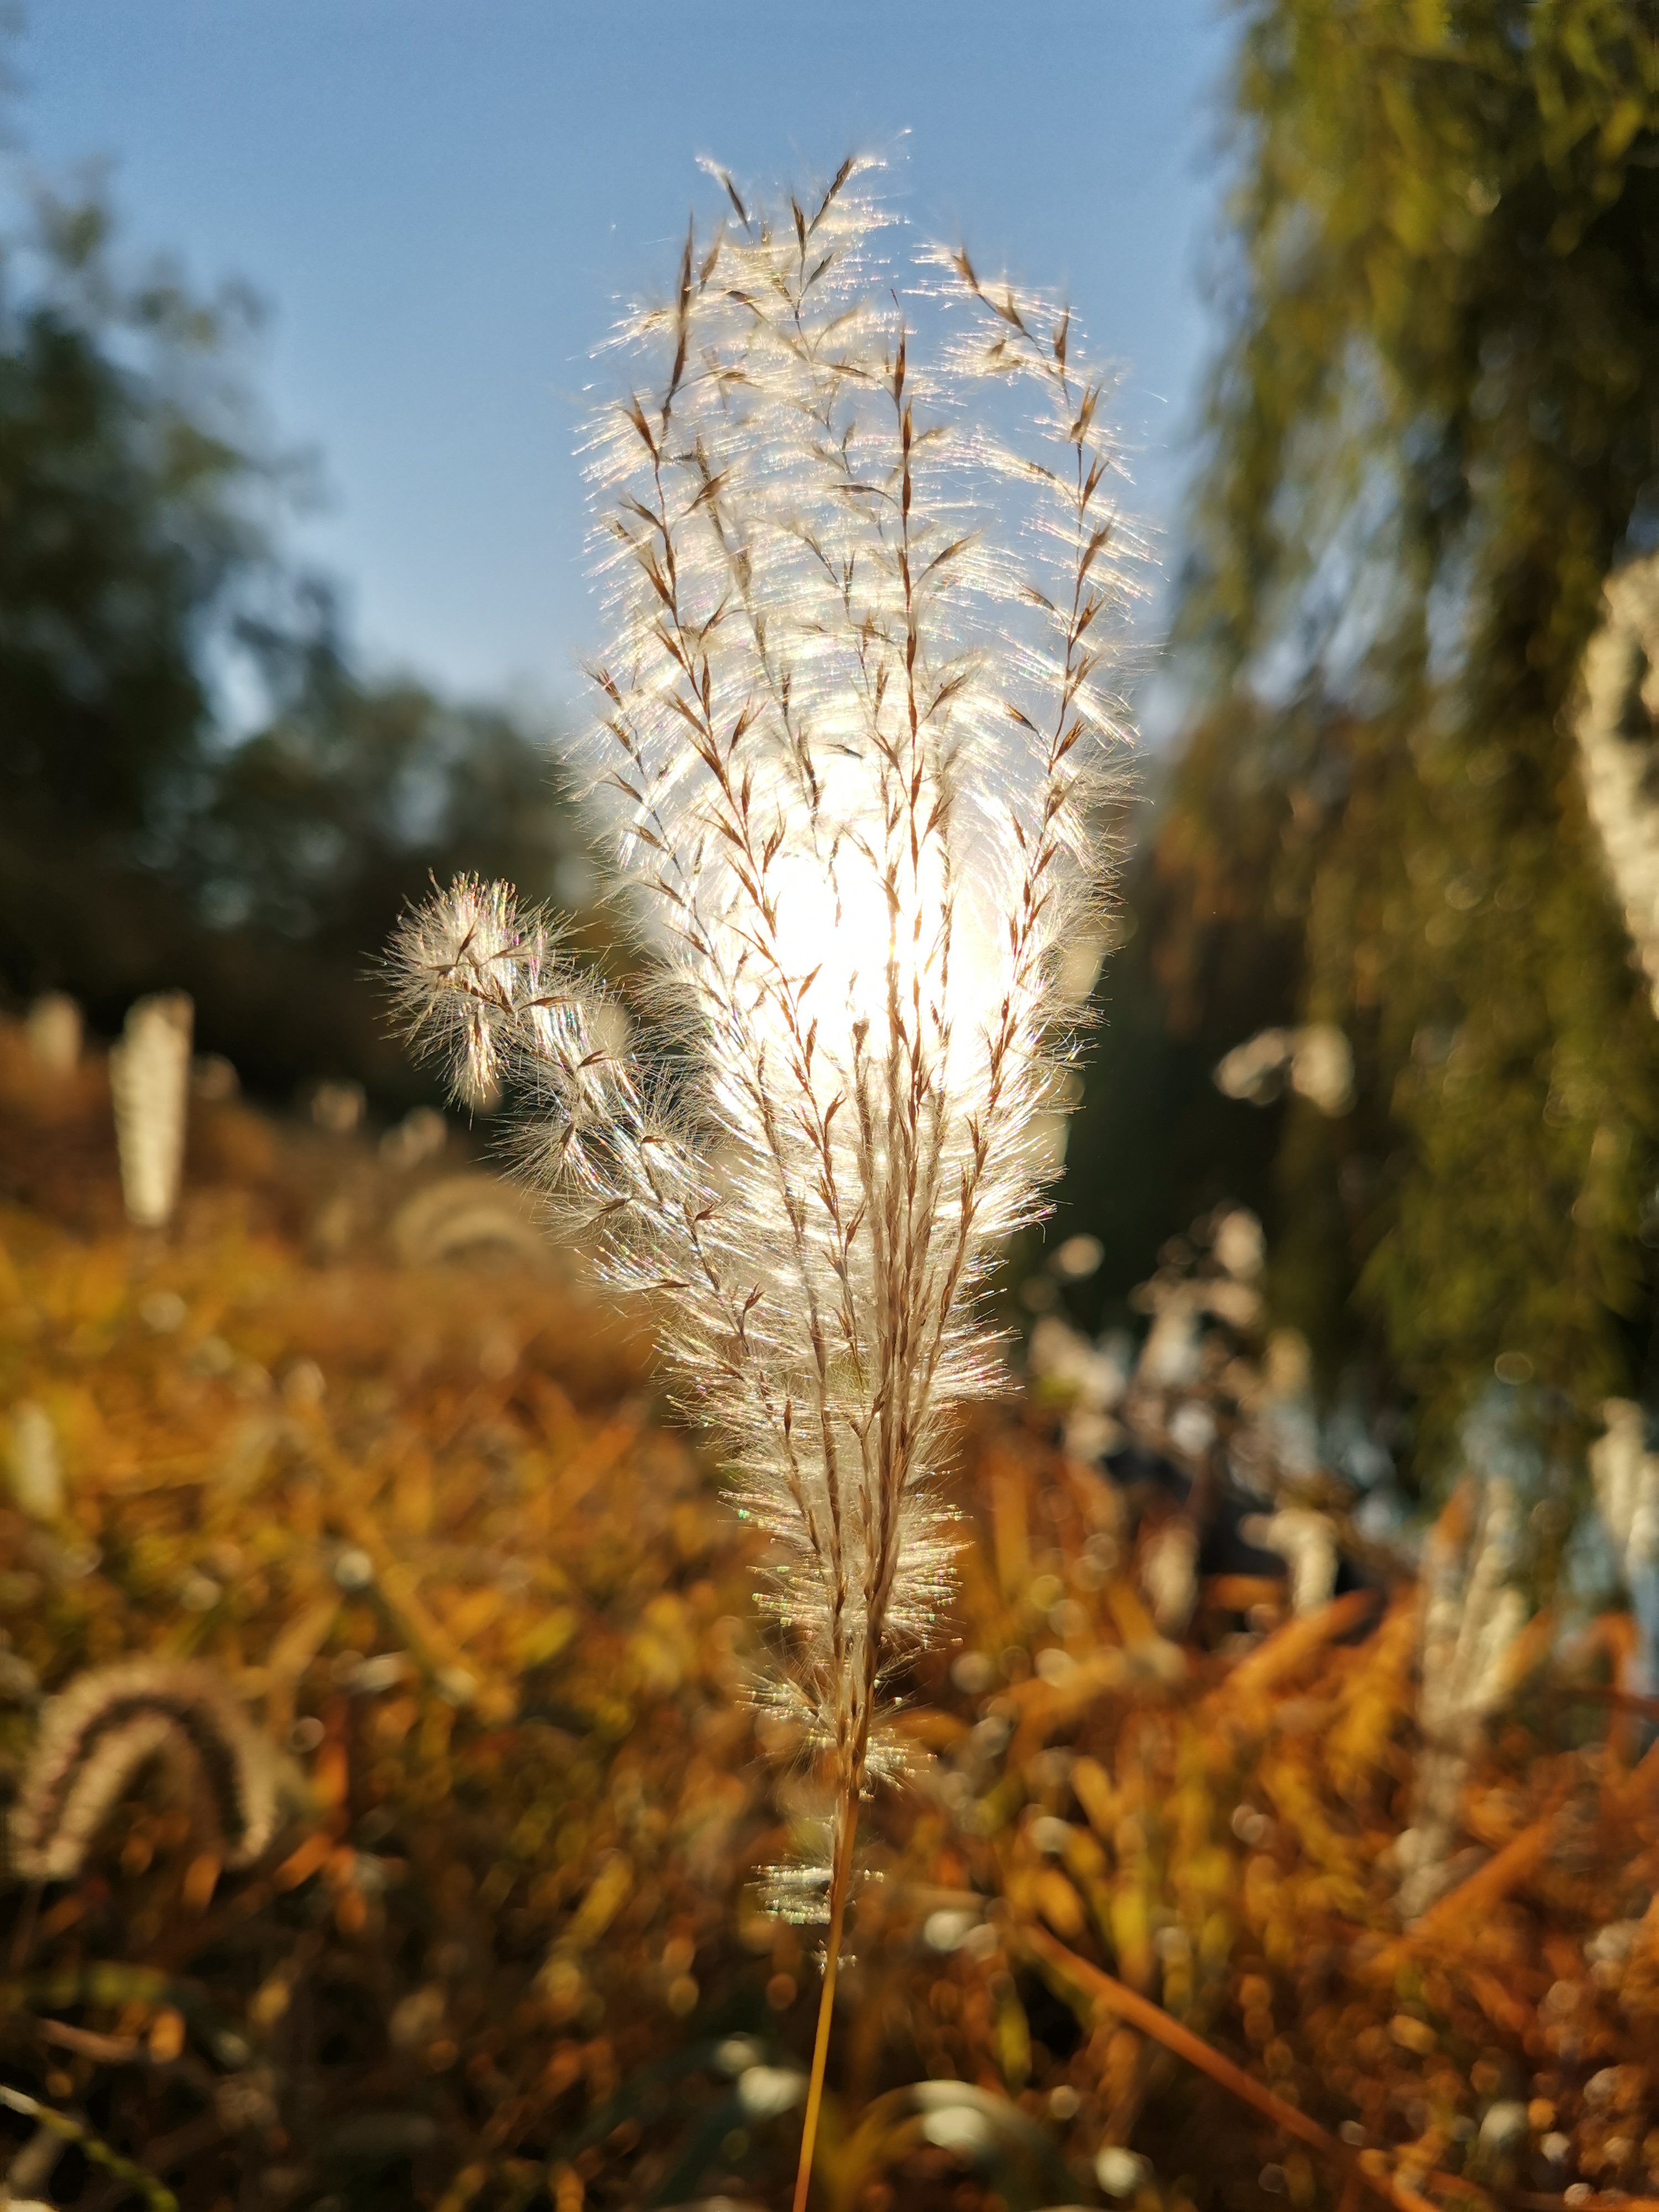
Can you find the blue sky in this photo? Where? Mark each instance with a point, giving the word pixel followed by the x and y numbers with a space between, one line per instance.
pixel 442 200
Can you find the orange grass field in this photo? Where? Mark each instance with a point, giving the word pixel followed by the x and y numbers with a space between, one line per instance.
pixel 351 1438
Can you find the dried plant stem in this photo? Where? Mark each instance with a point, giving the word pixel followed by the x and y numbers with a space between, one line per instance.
pixel 1151 2019
pixel 92 2147
pixel 1470 1904
pixel 846 1829
pixel 1601 1693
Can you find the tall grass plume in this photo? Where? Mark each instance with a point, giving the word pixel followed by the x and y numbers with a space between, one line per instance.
pixel 855 736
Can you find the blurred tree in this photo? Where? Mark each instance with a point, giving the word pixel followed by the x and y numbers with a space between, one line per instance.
pixel 1433 430
pixel 143 841
pixel 129 516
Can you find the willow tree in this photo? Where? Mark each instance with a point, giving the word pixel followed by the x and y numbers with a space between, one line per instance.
pixel 1433 431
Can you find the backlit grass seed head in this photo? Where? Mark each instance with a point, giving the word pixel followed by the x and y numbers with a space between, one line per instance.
pixel 464 963
pixel 852 735
pixel 97 1737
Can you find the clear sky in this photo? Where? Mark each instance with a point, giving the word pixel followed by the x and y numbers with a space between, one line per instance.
pixel 442 200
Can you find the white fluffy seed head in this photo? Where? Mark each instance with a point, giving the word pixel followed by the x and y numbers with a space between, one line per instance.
pixel 853 740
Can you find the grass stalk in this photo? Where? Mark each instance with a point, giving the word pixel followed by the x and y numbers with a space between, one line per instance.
pixel 1114 1997
pixel 852 745
pixel 847 1828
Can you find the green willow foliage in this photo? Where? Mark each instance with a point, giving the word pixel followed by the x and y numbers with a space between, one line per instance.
pixel 1433 430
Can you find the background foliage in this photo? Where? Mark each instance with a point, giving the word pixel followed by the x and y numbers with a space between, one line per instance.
pixel 197 789
pixel 1433 428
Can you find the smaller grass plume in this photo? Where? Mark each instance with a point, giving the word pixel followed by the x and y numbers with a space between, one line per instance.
pixel 854 740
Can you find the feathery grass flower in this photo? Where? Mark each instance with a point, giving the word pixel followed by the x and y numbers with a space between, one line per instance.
pixel 853 742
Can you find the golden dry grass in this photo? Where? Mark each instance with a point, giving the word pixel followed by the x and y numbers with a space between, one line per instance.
pixel 428 1525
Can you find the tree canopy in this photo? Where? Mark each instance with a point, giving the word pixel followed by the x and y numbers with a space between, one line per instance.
pixel 147 837
pixel 1432 431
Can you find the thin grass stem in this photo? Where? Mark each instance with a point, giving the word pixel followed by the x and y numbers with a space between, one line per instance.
pixel 846 1829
